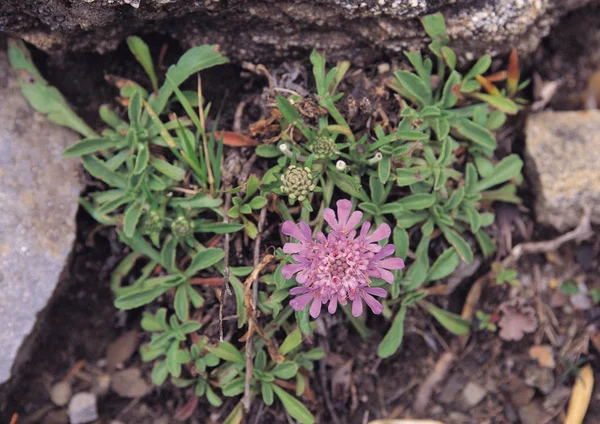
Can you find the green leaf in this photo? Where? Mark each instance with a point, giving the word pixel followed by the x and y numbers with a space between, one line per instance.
pixel 393 338
pixel 98 169
pixel 132 217
pixel 41 96
pixel 160 372
pixel 217 227
pixel 93 145
pixel 462 247
pixel 165 168
pixel 434 25
pixel 444 265
pixel 415 202
pixel 508 168
pixel 293 406
pixel 370 208
pixel 498 102
pixel 451 322
pixel 192 61
pixel 182 303
pixel 414 87
pixel 448 97
pixel 258 202
pixel 479 68
pixel 228 352
pixel 234 387
pixel 384 168
pixel 486 244
pixel 347 184
pixel 142 54
pixel 400 237
pixel 267 393
pixel 449 57
pixel 285 370
pixel 204 259
pixel 476 133
pixel 212 397
pixel 291 342
pixel 268 151
pixel 198 201
pixel 473 217
pixel 139 298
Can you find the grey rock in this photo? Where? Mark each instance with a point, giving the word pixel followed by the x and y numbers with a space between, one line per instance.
pixel 539 377
pixel 472 394
pixel 82 408
pixel 130 383
pixel 38 202
pixel 60 393
pixel 563 161
pixel 267 30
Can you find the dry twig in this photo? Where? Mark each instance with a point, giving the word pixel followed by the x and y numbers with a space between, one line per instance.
pixel 440 370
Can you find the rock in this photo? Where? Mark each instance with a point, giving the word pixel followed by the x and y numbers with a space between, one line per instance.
pixel 534 414
pixel 563 155
pixel 82 408
pixel 539 377
pixel 472 394
pixel 452 388
pixel 129 383
pixel 38 202
pixel 351 29
pixel 121 349
pixel 101 384
pixel 520 394
pixel 60 393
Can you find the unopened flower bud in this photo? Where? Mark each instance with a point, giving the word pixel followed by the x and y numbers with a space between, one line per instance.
pixel 323 147
pixel 297 182
pixel 340 165
pixel 151 223
pixel 182 227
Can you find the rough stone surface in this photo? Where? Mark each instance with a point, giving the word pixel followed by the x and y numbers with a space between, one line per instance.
pixel 266 30
pixel 38 202
pixel 82 408
pixel 563 155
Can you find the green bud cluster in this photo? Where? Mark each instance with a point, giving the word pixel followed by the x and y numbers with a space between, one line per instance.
pixel 151 223
pixel 323 147
pixel 182 227
pixel 297 182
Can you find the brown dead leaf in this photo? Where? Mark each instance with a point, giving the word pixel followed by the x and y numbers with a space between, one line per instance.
pixel 129 383
pixel 232 139
pixel 405 422
pixel 580 396
pixel 543 354
pixel 184 412
pixel 122 349
pixel 516 321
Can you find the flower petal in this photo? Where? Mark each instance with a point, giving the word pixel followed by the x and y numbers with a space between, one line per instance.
pixel 290 269
pixel 386 275
pixel 352 221
pixel 290 229
pixel 300 302
pixel 306 231
pixel 380 233
pixel 344 207
pixel 329 216
pixel 387 250
pixel 299 290
pixel 391 263
pixel 292 247
pixel 373 303
pixel 364 229
pixel 315 308
pixel 332 306
pixel 357 306
pixel 376 291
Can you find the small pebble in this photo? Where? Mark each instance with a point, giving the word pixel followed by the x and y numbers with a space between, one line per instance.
pixel 60 393
pixel 82 408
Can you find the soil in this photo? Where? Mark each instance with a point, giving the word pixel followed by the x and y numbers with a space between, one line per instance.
pixel 351 385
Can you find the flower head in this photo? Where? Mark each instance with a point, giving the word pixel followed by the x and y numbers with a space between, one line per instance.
pixel 297 182
pixel 338 267
pixel 323 147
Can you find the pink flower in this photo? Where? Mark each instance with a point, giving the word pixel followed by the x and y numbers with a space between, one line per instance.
pixel 337 267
